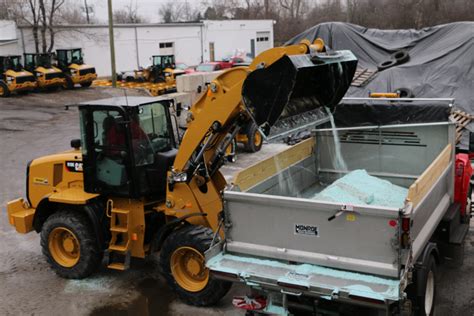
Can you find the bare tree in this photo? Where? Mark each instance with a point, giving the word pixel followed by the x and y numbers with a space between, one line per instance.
pixel 40 15
pixel 173 11
pixel 128 15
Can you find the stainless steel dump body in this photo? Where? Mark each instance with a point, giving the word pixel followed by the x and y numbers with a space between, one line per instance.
pixel 276 234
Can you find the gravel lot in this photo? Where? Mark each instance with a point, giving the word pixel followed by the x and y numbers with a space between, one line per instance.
pixel 36 125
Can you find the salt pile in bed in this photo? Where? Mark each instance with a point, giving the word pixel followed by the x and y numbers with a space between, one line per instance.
pixel 360 188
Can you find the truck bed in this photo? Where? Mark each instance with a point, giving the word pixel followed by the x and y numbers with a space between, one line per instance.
pixel 268 214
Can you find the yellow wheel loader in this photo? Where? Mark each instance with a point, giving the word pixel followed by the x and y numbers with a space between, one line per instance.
pixel 125 190
pixel 71 62
pixel 47 76
pixel 13 78
pixel 162 70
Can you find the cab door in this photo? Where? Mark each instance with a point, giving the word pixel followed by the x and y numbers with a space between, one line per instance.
pixel 105 150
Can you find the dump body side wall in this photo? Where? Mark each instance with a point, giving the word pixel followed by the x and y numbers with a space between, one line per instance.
pixel 269 226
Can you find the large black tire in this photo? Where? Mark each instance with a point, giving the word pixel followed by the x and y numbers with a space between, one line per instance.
pixel 386 64
pixel 86 84
pixel 198 238
pixel 69 85
pixel 400 56
pixel 405 93
pixel 78 224
pixel 4 91
pixel 425 301
pixel 254 139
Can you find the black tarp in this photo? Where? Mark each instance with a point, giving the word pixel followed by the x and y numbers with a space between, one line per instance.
pixel 441 63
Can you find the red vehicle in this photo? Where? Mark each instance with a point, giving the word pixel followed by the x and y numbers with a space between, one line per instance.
pixel 210 66
pixel 186 68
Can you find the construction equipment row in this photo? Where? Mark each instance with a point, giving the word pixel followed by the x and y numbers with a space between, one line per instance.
pixel 39 72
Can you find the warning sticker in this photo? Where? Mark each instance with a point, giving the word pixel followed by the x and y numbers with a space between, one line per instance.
pixel 308 230
pixel 74 166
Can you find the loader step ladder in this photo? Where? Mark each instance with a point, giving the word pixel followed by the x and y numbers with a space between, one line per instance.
pixel 118 254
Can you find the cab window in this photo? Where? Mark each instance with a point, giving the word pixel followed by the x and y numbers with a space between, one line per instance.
pixel 149 133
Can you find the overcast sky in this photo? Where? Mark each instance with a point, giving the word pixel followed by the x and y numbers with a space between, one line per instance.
pixel 146 8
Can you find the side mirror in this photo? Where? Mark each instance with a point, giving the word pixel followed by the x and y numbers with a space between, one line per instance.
pixel 76 144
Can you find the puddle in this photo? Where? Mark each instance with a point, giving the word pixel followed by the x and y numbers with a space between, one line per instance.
pixel 154 299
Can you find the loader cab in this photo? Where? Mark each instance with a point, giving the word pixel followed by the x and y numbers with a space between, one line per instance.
pixel 128 146
pixel 66 57
pixel 11 63
pixel 32 61
pixel 164 61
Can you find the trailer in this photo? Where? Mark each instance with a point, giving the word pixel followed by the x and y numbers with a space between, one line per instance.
pixel 297 251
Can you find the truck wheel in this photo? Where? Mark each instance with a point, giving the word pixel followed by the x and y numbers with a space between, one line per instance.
pixel 254 139
pixel 427 277
pixel 4 91
pixel 86 84
pixel 69 85
pixel 183 266
pixel 70 246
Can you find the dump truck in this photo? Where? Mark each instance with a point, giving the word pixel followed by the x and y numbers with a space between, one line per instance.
pixel 125 190
pixel 71 62
pixel 47 76
pixel 13 78
pixel 304 233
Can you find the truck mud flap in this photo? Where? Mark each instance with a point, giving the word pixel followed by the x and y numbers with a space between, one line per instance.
pixel 306 279
pixel 296 84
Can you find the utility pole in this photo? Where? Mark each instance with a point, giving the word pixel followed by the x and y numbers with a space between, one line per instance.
pixel 112 45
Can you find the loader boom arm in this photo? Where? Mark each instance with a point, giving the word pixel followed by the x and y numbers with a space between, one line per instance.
pixel 261 92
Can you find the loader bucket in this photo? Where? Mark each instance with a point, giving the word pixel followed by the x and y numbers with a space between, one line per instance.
pixel 296 84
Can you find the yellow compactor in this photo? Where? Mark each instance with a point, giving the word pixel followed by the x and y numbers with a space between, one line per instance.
pixel 13 77
pixel 71 62
pixel 47 76
pixel 125 190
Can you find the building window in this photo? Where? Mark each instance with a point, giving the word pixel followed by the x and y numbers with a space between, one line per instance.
pixel 262 39
pixel 166 45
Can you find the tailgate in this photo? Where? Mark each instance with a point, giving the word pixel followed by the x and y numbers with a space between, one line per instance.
pixel 305 279
pixel 296 229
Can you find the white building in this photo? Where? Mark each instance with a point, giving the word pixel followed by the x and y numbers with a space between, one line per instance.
pixel 8 38
pixel 191 43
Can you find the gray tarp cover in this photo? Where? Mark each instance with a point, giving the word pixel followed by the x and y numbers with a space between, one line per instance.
pixel 441 61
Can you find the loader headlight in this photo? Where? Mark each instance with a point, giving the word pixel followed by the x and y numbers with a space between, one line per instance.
pixel 179 177
pixel 10 79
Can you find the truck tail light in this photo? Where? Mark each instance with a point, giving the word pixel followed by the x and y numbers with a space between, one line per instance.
pixel 405 236
pixel 406 224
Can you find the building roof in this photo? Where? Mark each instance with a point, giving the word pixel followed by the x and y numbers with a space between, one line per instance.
pixel 174 24
pixel 7 42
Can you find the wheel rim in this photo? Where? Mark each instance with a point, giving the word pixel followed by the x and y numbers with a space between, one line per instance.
pixel 429 293
pixel 2 91
pixel 64 247
pixel 188 269
pixel 257 139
